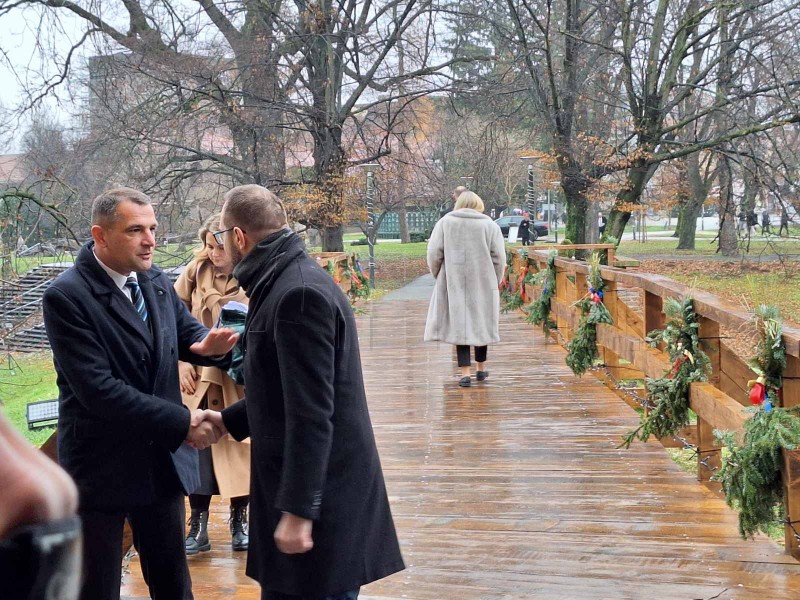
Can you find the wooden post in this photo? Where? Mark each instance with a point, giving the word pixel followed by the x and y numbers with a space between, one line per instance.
pixel 611 300
pixel 791 462
pixel 563 298
pixel 653 313
pixel 709 343
pixel 709 454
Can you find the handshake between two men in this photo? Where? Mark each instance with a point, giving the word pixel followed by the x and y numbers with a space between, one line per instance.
pixel 205 428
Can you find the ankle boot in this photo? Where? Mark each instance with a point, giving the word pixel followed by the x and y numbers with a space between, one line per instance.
pixel 197 538
pixel 240 541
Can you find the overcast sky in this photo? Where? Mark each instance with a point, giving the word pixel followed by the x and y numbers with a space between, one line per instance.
pixel 22 68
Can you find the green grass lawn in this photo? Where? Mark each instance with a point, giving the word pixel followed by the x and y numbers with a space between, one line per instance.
pixel 706 247
pixel 32 378
pixel 750 286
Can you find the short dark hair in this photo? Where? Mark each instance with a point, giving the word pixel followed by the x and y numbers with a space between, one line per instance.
pixel 104 207
pixel 255 209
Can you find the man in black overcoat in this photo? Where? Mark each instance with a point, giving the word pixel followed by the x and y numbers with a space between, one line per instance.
pixel 320 523
pixel 117 330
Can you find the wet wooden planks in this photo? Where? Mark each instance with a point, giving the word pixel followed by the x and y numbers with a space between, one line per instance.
pixel 515 488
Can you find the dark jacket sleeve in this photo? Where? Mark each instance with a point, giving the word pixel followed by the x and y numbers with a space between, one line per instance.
pixel 190 330
pixel 305 344
pixel 83 362
pixel 235 419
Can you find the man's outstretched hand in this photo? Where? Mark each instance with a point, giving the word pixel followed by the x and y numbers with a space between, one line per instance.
pixel 205 428
pixel 218 342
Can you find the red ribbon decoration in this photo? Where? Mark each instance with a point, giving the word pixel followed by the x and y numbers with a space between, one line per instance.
pixel 521 285
pixel 758 392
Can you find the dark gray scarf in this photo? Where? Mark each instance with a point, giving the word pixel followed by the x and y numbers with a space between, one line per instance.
pixel 258 270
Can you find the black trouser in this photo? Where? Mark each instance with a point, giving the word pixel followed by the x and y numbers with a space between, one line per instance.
pixel 526 239
pixel 784 226
pixel 202 502
pixel 462 352
pixel 158 537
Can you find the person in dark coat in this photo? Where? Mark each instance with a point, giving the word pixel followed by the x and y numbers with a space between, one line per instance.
pixel 320 522
pixel 117 330
pixel 784 221
pixel 525 230
pixel 765 222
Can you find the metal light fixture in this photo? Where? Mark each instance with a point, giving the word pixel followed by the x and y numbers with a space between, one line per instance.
pixel 371 169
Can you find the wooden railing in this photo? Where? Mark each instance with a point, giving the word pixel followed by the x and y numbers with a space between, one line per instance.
pixel 339 261
pixel 719 404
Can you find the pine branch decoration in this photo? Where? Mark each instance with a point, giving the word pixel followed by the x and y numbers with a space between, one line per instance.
pixel 539 310
pixel 582 348
pixel 668 396
pixel 751 473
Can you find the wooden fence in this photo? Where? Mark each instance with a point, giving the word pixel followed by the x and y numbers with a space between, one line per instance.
pixel 635 301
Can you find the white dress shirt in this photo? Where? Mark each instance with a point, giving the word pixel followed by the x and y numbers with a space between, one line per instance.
pixel 118 279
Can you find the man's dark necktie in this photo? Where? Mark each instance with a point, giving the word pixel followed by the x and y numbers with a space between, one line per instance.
pixel 136 297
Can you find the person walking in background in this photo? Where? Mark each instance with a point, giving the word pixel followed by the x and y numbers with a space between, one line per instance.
pixel 524 230
pixel 205 286
pixel 467 257
pixel 784 221
pixel 321 526
pixel 765 222
pixel 752 221
pixel 117 329
pixel 601 223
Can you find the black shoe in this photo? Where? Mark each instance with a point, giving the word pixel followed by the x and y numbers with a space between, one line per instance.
pixel 481 375
pixel 464 381
pixel 197 538
pixel 240 541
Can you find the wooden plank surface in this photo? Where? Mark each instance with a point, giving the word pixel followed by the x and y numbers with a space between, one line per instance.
pixel 515 488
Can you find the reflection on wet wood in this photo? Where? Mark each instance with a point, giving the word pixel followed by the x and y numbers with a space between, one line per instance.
pixel 515 489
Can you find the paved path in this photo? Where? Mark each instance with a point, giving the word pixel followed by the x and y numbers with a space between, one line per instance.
pixel 515 488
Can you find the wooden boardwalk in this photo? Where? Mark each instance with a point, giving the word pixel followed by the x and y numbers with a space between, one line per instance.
pixel 515 489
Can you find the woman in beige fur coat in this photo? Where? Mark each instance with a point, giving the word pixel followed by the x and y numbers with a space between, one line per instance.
pixel 205 286
pixel 467 256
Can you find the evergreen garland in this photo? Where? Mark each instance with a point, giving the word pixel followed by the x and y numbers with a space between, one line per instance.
pixel 506 292
pixel 582 348
pixel 539 310
pixel 515 296
pixel 332 271
pixel 668 396
pixel 770 360
pixel 751 473
pixel 359 284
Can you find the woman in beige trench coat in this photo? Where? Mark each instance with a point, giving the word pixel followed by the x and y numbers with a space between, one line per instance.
pixel 206 286
pixel 467 257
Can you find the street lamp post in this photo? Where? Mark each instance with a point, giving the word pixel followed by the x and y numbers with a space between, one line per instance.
pixel 530 199
pixel 553 207
pixel 370 169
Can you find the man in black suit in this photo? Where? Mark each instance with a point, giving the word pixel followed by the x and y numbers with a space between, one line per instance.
pixel 320 523
pixel 117 330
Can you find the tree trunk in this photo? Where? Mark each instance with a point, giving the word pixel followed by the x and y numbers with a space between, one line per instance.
pixel 333 238
pixel 687 224
pixel 631 193
pixel 728 243
pixel 681 217
pixel 576 218
pixel 402 218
